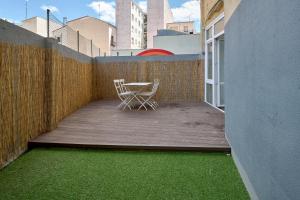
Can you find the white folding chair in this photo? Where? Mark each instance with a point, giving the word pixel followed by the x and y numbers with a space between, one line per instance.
pixel 124 95
pixel 147 97
pixel 133 98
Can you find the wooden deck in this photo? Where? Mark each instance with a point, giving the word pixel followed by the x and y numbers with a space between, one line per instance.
pixel 196 127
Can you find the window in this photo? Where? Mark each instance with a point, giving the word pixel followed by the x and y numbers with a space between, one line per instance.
pixel 186 29
pixel 132 17
pixel 209 93
pixel 219 26
pixel 112 42
pixel 209 61
pixel 132 40
pixel 209 33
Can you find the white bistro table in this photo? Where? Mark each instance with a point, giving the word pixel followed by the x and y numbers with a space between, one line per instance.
pixel 141 86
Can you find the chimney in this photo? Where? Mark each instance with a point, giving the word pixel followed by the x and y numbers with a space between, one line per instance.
pixel 65 20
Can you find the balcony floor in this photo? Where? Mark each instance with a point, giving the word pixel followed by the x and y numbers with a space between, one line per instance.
pixel 197 127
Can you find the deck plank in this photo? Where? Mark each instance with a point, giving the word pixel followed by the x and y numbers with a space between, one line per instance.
pixel 198 127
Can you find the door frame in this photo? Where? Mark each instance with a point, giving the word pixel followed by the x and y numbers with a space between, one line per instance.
pixel 215 69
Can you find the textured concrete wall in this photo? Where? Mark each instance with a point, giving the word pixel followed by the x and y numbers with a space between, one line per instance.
pixel 262 75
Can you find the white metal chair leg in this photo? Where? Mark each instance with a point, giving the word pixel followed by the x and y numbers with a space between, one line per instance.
pixel 147 101
pixel 127 103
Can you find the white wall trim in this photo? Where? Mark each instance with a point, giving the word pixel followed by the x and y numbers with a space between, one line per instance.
pixel 221 16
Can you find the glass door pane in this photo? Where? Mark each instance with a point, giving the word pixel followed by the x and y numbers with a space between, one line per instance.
pixel 220 56
pixel 209 61
pixel 209 93
pixel 209 73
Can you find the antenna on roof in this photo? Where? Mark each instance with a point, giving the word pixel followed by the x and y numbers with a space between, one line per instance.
pixel 26 9
pixel 99 10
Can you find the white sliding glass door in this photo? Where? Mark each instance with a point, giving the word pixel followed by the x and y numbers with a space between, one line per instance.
pixel 214 63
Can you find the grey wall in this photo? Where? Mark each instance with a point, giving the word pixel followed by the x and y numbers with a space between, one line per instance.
pixel 149 58
pixel 11 33
pixel 262 72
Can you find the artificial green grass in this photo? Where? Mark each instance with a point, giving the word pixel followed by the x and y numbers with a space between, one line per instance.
pixel 58 173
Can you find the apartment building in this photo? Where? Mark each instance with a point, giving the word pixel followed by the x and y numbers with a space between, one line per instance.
pixel 159 14
pixel 130 22
pixel 101 33
pixel 38 25
pixel 185 27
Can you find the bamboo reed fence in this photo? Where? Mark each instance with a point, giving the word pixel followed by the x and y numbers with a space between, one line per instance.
pixel 180 81
pixel 38 88
pixel 71 86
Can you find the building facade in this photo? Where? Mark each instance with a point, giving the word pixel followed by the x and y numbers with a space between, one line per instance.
pixel 159 14
pixel 185 27
pixel 130 22
pixel 38 25
pixel 100 33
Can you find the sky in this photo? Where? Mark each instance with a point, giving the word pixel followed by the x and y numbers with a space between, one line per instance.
pixel 14 10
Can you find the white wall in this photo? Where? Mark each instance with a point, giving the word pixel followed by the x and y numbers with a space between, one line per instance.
pixel 68 37
pixel 137 30
pixel 30 25
pixel 159 14
pixel 38 25
pixel 179 44
pixel 123 23
pixel 97 30
pixel 129 22
pixel 168 13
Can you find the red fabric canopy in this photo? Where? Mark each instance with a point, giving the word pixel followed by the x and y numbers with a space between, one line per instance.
pixel 155 52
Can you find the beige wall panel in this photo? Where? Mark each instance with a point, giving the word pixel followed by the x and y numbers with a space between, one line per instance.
pixel 230 6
